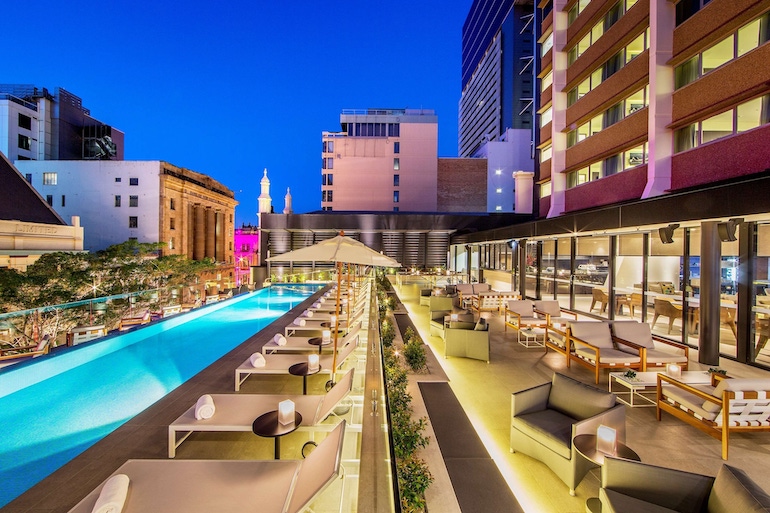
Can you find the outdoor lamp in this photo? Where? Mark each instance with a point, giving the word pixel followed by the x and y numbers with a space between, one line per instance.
pixel 333 319
pixel 326 336
pixel 674 370
pixel 453 317
pixel 606 439
pixel 286 412
pixel 312 361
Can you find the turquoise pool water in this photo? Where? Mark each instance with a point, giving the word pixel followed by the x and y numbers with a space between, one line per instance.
pixel 55 407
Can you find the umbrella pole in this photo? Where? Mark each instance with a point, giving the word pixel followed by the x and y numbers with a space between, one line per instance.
pixel 336 325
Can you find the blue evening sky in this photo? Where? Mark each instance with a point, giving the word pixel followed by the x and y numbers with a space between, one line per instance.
pixel 227 88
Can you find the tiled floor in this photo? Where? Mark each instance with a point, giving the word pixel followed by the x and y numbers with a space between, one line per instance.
pixel 484 390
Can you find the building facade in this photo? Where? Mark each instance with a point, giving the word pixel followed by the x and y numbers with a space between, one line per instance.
pixel 497 106
pixel 498 73
pixel 246 253
pixel 654 156
pixel 38 125
pixel 382 160
pixel 149 201
pixel 29 227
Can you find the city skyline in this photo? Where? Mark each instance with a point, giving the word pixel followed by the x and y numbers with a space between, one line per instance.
pixel 229 93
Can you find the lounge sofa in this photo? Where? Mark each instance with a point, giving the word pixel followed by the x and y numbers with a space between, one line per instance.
pixel 467 340
pixel 546 418
pixel 634 487
pixel 437 324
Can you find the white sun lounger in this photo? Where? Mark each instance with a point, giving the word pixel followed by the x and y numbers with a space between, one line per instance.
pixel 205 486
pixel 280 363
pixel 236 412
pixel 301 344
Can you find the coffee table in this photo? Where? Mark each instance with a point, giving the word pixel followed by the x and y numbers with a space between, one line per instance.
pixel 531 337
pixel 586 446
pixel 267 425
pixel 640 387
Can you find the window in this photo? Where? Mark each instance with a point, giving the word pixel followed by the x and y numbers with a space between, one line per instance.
pixel 63 201
pixel 323 179
pixel 330 179
pixel 328 146
pixel 395 196
pixel 745 39
pixel 396 164
pixel 396 179
pixel 118 179
pixel 323 195
pixel 498 208
pixel 172 223
pixel 25 121
pixel 133 181
pixel 546 153
pixel 49 199
pixel 117 200
pixel 133 239
pixel 547 45
pixel 617 163
pixel 396 147
pixel 327 163
pixel 546 117
pixel 172 204
pixel 499 190
pixel 545 189
pixel 133 222
pixel 394 130
pixel 171 243
pixel 28 177
pixel 546 81
pixel 50 178
pixel 133 201
pixel 24 142
pixel 395 209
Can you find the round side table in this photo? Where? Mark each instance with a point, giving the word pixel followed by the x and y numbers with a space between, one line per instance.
pixel 304 370
pixel 267 425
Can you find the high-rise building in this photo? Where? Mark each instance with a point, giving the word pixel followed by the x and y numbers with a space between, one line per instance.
pixel 642 99
pixel 148 201
pixel 38 125
pixel 381 160
pixel 497 105
pixel 498 73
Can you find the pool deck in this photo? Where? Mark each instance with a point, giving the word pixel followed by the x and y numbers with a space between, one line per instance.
pixel 482 389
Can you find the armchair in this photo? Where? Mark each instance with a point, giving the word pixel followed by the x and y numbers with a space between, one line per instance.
pixel 635 487
pixel 467 340
pixel 595 347
pixel 521 314
pixel 553 313
pixel 546 418
pixel 725 406
pixel 486 302
pixel 654 351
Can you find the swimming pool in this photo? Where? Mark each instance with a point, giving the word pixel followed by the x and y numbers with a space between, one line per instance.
pixel 57 406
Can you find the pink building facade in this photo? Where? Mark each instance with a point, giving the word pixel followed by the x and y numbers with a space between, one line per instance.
pixel 246 253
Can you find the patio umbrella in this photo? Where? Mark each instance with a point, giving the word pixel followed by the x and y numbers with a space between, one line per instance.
pixel 340 250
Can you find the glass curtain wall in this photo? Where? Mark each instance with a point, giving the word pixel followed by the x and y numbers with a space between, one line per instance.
pixel 590 275
pixel 548 269
pixel 629 277
pixel 761 288
pixel 532 269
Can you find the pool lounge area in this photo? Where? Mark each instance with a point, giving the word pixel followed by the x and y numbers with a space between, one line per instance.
pixel 484 391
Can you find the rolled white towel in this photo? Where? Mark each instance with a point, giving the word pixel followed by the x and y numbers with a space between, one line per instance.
pixel 308 313
pixel 299 322
pixel 257 360
pixel 280 339
pixel 113 495
pixel 317 305
pixel 204 408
